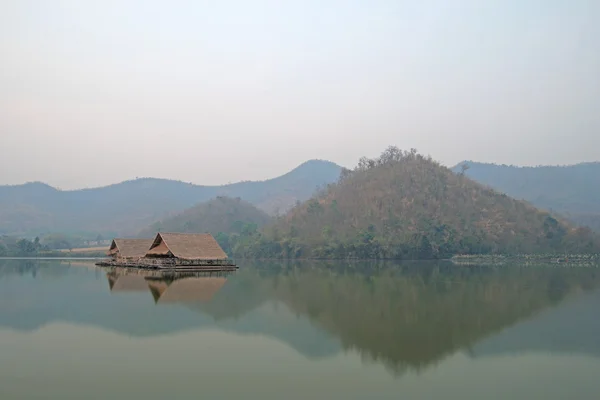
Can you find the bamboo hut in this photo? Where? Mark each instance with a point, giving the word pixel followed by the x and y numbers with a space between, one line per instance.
pixel 176 251
pixel 128 249
pixel 186 249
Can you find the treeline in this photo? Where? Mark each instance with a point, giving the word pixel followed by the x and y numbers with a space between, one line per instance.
pixel 240 235
pixel 13 247
pixel 403 205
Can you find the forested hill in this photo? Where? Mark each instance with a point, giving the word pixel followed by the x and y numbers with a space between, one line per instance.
pixel 572 190
pixel 224 217
pixel 404 205
pixel 128 207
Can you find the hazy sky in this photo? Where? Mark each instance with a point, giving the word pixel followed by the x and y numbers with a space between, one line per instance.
pixel 96 92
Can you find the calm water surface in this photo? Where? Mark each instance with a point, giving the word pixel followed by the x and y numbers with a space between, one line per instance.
pixel 302 331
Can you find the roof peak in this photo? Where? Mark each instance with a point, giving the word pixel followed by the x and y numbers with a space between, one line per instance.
pixel 183 233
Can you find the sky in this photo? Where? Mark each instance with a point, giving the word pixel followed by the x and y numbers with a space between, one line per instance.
pixel 211 92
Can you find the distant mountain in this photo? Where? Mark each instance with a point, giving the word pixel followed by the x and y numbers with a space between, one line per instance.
pixel 127 207
pixel 570 190
pixel 404 205
pixel 222 214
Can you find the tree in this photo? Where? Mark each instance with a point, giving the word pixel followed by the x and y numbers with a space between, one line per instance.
pixel 391 154
pixel 26 247
pixel 223 239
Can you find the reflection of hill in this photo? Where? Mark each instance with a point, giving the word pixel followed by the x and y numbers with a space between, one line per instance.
pixel 413 316
pixel 574 327
pixel 407 316
pixel 80 296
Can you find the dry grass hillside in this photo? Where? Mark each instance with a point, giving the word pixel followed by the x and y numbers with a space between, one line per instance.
pixel 405 205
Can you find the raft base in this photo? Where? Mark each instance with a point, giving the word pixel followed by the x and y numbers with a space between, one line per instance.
pixel 208 267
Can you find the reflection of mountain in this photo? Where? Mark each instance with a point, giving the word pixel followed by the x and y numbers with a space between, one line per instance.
pixel 410 317
pixel 406 316
pixel 81 297
pixel 574 327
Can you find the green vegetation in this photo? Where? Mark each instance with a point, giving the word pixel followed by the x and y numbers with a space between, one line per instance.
pixel 11 246
pixel 126 208
pixel 15 247
pixel 403 205
pixel 227 219
pixel 573 191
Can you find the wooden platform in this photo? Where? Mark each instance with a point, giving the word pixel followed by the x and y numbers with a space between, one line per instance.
pixel 192 267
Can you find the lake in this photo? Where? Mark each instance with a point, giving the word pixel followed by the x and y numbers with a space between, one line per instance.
pixel 70 330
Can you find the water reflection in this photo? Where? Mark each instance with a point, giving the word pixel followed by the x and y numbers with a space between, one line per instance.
pixel 406 317
pixel 167 287
pixel 413 315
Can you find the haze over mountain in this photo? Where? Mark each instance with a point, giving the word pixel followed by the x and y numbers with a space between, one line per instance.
pixel 127 207
pixel 405 205
pixel 220 215
pixel 572 190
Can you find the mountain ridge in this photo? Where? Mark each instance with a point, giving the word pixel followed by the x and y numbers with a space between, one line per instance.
pixel 571 190
pixel 126 207
pixel 304 164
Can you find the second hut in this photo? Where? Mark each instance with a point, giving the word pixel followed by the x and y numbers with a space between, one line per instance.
pixel 128 250
pixel 186 249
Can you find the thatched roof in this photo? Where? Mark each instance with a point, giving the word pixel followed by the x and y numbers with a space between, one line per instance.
pixel 187 246
pixel 130 248
pixel 188 290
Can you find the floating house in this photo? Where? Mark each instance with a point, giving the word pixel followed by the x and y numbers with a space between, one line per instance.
pixel 186 249
pixel 128 249
pixel 170 251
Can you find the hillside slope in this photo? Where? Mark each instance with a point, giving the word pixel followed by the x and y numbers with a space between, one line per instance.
pixel 404 205
pixel 572 190
pixel 127 207
pixel 219 215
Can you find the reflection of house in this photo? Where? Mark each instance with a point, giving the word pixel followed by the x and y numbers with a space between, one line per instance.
pixel 186 290
pixel 129 249
pixel 166 286
pixel 187 248
pixel 127 283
